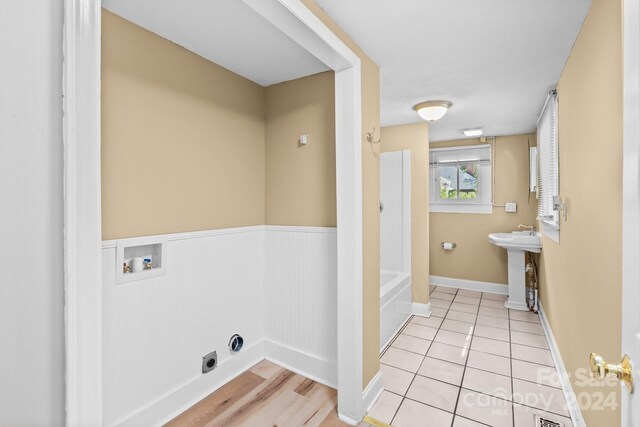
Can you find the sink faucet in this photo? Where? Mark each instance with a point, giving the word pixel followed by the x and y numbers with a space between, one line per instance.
pixel 529 227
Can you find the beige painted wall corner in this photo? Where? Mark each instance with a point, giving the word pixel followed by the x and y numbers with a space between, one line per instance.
pixel 301 179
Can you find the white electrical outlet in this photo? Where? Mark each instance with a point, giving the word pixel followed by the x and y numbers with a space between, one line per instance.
pixel 511 207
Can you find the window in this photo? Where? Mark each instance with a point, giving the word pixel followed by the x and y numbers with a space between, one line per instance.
pixel 461 179
pixel 548 167
pixel 458 182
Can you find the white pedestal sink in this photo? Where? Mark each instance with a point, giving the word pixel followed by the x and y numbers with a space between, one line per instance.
pixel 516 243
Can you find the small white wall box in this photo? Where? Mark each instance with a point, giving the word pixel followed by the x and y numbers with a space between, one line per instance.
pixel 510 207
pixel 303 139
pixel 153 248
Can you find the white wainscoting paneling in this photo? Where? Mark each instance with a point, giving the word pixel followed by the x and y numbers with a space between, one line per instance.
pixel 300 299
pixel 157 330
pixel 276 286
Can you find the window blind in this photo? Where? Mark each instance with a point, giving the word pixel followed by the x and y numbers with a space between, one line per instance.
pixel 533 170
pixel 467 154
pixel 548 160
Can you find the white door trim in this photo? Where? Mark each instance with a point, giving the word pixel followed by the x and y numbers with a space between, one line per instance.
pixel 349 241
pixel 631 199
pixel 82 227
pixel 320 41
pixel 82 204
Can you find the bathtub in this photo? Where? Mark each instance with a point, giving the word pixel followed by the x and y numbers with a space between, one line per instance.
pixel 395 303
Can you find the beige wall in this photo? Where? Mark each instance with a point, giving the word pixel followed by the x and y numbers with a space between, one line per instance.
pixel 581 277
pixel 475 258
pixel 301 179
pixel 415 137
pixel 182 138
pixel 370 200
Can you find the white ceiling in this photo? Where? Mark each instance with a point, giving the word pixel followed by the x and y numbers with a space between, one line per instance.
pixel 226 32
pixel 495 60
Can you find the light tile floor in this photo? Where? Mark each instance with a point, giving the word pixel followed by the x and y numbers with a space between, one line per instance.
pixel 472 363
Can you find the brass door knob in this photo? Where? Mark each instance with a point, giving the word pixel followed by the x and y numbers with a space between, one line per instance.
pixel 600 369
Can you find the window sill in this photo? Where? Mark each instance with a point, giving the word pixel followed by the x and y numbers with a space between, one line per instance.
pixel 461 208
pixel 551 230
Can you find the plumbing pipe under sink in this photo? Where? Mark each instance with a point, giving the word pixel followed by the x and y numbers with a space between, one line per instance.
pixel 516 243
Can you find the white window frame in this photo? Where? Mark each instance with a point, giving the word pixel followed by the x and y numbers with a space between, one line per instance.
pixel 480 205
pixel 548 168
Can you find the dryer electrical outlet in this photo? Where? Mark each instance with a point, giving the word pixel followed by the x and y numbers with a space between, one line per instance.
pixel 209 362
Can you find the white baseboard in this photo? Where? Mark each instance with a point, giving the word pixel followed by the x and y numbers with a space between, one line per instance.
pixel 421 309
pixel 372 392
pixel 179 400
pixel 569 395
pixel 516 306
pixel 472 285
pixel 320 370
pixel 347 420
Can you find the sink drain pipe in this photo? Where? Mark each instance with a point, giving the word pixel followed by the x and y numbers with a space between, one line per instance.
pixel 531 270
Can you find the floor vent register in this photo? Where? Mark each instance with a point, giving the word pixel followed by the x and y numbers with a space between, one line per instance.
pixel 546 422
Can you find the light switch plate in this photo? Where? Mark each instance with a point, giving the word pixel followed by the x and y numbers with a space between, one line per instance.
pixel 510 207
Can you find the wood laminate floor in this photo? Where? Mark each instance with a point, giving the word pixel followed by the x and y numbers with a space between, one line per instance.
pixel 265 395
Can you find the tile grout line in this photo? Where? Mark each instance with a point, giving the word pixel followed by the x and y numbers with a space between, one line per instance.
pixel 477 369
pixel 387 348
pixel 474 391
pixel 444 410
pixel 475 324
pixel 513 412
pixel 416 373
pixel 457 346
pixel 440 327
pixel 511 358
pixel 391 341
pixel 466 361
pixel 478 351
pixel 453 418
pixel 403 396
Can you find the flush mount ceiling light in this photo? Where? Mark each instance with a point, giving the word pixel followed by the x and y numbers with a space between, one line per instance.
pixel 472 132
pixel 432 110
